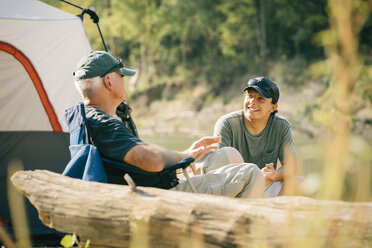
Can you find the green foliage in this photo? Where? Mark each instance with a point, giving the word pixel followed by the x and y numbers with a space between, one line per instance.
pixel 293 25
pixel 217 41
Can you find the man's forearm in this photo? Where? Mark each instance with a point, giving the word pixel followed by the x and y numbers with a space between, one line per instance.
pixel 152 157
pixel 169 157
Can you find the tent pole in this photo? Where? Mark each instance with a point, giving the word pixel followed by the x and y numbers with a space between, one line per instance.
pixel 72 4
pixel 94 18
pixel 103 41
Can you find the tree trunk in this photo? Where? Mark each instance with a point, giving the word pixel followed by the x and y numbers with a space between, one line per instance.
pixel 114 216
pixel 262 38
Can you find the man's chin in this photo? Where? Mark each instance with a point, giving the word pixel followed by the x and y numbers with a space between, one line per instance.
pixel 250 113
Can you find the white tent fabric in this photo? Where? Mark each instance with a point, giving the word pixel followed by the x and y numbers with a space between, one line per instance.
pixel 39 49
pixel 53 41
pixel 15 85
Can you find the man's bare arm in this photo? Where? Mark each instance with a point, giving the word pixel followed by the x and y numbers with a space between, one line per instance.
pixel 150 157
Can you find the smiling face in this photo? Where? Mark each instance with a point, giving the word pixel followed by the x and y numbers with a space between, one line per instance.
pixel 257 107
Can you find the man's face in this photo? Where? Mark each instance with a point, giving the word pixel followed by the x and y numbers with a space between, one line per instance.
pixel 117 82
pixel 257 107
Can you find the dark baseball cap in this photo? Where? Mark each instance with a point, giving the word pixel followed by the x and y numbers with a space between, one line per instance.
pixel 100 63
pixel 265 87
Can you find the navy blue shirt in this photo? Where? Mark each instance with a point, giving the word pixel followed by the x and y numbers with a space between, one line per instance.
pixel 110 135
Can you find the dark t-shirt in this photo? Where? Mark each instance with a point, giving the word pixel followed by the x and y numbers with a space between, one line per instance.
pixel 110 135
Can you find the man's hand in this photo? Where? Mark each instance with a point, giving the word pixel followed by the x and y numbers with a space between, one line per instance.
pixel 270 174
pixel 202 146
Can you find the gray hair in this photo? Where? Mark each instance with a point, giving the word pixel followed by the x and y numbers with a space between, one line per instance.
pixel 86 86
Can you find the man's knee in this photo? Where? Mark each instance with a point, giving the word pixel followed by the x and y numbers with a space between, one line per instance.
pixel 255 173
pixel 217 159
pixel 255 181
pixel 232 154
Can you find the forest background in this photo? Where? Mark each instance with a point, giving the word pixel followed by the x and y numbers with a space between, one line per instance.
pixel 193 58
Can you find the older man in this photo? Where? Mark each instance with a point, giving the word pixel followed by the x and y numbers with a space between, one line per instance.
pixel 100 80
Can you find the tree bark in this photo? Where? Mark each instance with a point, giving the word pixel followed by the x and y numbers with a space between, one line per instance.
pixel 114 216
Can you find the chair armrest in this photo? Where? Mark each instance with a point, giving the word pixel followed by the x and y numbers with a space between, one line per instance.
pixel 130 168
pixel 127 168
pixel 182 164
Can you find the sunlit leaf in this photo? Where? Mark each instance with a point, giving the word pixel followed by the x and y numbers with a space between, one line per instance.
pixel 67 241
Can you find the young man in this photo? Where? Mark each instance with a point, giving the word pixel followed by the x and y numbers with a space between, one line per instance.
pixel 260 135
pixel 99 79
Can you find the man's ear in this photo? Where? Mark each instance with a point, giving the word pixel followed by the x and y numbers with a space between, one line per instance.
pixel 107 81
pixel 274 107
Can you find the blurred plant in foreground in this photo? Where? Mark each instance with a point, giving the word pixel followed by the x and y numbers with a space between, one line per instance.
pixel 17 208
pixel 341 49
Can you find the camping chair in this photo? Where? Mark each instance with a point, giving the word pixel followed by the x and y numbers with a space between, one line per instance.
pixel 86 163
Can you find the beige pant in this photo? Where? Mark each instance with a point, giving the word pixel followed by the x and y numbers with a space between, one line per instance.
pixel 273 189
pixel 223 172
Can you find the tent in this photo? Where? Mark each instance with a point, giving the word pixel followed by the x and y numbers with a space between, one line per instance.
pixel 39 49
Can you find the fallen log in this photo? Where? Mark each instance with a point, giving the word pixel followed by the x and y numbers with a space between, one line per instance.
pixel 114 216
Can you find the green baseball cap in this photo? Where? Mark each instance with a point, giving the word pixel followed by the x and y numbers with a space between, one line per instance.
pixel 100 63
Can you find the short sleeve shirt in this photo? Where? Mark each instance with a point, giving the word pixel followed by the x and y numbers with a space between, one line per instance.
pixel 273 143
pixel 109 134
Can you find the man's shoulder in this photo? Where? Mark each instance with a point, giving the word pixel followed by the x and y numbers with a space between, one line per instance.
pixel 280 121
pixel 94 113
pixel 96 116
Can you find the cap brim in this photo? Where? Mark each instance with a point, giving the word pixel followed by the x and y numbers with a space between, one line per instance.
pixel 259 91
pixel 126 72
